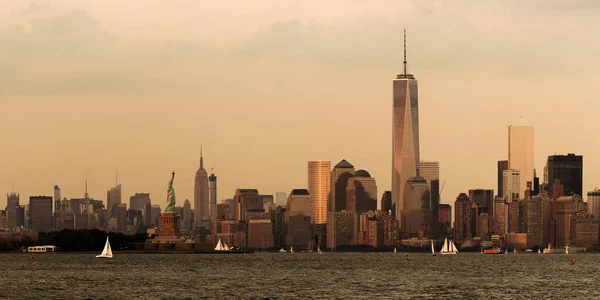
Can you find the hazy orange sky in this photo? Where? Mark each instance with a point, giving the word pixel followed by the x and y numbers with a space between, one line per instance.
pixel 91 86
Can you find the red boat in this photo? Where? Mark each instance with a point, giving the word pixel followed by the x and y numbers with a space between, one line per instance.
pixel 492 251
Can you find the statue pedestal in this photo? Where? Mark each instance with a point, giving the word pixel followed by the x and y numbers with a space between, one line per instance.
pixel 169 224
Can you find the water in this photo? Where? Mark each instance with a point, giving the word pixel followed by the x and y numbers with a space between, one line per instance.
pixel 299 275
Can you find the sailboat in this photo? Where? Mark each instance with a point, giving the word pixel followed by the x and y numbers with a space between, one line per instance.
pixel 219 246
pixel 319 249
pixel 448 248
pixel 225 247
pixel 291 249
pixel 395 251
pixel 548 250
pixel 515 250
pixel 107 252
pixel 567 250
pixel 539 251
pixel 282 250
pixel 432 249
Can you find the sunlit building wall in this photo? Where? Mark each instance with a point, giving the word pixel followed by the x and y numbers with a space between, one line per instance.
pixel 319 186
pixel 520 153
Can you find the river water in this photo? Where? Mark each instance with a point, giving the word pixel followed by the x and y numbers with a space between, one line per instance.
pixel 300 275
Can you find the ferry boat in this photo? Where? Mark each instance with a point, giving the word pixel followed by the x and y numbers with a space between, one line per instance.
pixel 492 251
pixel 42 249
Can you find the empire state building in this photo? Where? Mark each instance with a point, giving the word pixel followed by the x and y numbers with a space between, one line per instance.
pixel 201 217
pixel 405 134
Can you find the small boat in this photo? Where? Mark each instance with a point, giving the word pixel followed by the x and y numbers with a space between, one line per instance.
pixel 515 250
pixel 432 249
pixel 291 249
pixel 539 251
pixel 319 249
pixel 282 250
pixel 572 262
pixel 492 251
pixel 548 250
pixel 506 251
pixel 395 250
pixel 448 247
pixel 107 252
pixel 567 250
pixel 529 251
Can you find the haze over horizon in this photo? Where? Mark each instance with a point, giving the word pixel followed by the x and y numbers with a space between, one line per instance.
pixel 91 87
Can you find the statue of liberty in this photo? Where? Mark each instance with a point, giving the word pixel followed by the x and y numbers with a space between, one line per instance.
pixel 170 196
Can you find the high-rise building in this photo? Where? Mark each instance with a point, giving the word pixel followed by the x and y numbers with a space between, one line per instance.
pixel 415 190
pixel 155 213
pixel 512 183
pixel 569 170
pixel 280 198
pixel 212 195
pixel 361 193
pixel 484 199
pixel 593 200
pixel 386 201
pixel 187 216
pixel 113 198
pixel 340 175
pixel 445 211
pixel 405 134
pixel 319 187
pixel 430 170
pixel 563 208
pixel 502 166
pixel 520 153
pixel 513 217
pixel 143 203
pixel 13 213
pixel 500 215
pixel 342 227
pixel 462 218
pixel 56 198
pixel 40 213
pixel 201 196
pixel 248 205
pixel 299 203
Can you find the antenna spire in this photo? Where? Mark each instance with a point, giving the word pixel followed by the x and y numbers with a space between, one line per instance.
pixel 405 51
pixel 86 190
pixel 201 158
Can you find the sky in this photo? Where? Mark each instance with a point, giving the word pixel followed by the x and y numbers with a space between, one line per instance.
pixel 99 88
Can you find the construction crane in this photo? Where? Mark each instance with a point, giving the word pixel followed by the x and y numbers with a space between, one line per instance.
pixel 442 189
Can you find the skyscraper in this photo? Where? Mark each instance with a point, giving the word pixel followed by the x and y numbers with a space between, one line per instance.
pixel 113 198
pixel 520 153
pixel 405 133
pixel 502 166
pixel 40 213
pixel 430 170
pixel 361 193
pixel 511 182
pixel 14 218
pixel 212 192
pixel 187 215
pixel 462 218
pixel 415 190
pixel 593 201
pixel 319 187
pixel 484 199
pixel 340 175
pixel 386 201
pixel 201 197
pixel 141 202
pixel 299 203
pixel 56 198
pixel 569 169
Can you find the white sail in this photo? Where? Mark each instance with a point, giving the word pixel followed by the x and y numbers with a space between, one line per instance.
pixel 539 251
pixel 319 249
pixel 453 247
pixel 219 246
pixel 107 251
pixel 225 247
pixel 432 248
pixel 445 246
pixel 395 250
pixel 514 250
pixel 567 250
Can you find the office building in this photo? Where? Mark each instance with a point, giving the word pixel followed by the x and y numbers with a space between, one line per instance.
pixel 563 208
pixel 248 205
pixel 299 203
pixel 56 199
pixel 142 203
pixel 280 198
pixel 585 231
pixel 342 227
pixel 593 203
pixel 415 190
pixel 386 201
pixel 445 211
pixel 484 199
pixel 40 213
pixel 511 189
pixel 319 187
pixel 361 193
pixel 569 170
pixel 500 216
pixel 201 196
pixel 298 230
pixel 212 196
pixel 340 175
pixel 155 213
pixel 430 170
pixel 462 219
pixel 260 234
pixel 405 134
pixel 502 166
pixel 186 219
pixel 520 153
pixel 113 198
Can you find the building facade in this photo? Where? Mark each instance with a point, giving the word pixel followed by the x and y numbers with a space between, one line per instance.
pixel 462 219
pixel 40 213
pixel 520 153
pixel 212 196
pixel 201 197
pixel 319 187
pixel 361 192
pixel 113 198
pixel 512 185
pixel 340 175
pixel 502 166
pixel 299 203
pixel 593 203
pixel 415 190
pixel 569 170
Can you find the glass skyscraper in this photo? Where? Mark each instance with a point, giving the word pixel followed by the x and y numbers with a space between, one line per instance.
pixel 405 134
pixel 520 154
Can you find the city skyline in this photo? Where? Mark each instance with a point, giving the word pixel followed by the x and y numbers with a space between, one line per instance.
pixel 122 125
